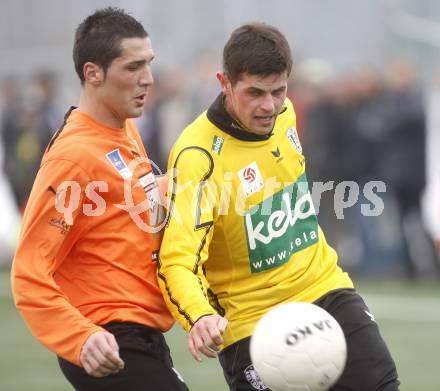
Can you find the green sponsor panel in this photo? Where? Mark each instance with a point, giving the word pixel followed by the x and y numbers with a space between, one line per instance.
pixel 280 226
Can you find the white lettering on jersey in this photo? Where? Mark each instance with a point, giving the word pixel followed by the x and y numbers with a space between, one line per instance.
pixel 279 220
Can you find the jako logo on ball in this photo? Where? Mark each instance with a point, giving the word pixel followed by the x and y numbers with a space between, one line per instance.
pixel 300 334
pixel 298 347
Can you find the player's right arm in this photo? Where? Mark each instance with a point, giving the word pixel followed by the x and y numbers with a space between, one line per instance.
pixel 184 249
pixel 48 234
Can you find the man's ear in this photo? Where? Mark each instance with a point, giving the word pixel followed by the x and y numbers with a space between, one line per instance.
pixel 224 82
pixel 93 73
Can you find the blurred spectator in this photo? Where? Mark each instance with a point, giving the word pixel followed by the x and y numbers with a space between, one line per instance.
pixel 361 129
pixel 174 108
pixel 403 142
pixel 150 127
pixel 377 239
pixel 402 163
pixel 327 123
pixel 27 128
pixel 323 126
pixel 305 88
pixel 202 85
pixel 10 221
pixel 166 115
pixel 431 200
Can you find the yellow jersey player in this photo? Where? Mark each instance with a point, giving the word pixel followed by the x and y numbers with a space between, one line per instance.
pixel 242 235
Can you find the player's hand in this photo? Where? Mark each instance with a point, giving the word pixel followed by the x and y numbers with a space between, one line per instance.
pixel 100 355
pixel 206 336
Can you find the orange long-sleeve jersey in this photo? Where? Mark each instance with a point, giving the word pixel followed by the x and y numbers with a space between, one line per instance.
pixel 85 256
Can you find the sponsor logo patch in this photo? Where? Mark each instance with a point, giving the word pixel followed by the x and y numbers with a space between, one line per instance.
pixel 217 144
pixel 292 136
pixel 251 179
pixel 289 226
pixel 118 162
pixel 156 212
pixel 254 378
pixel 61 224
pixel 277 154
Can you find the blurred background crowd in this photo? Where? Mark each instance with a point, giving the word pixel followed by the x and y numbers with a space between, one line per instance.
pixel 365 89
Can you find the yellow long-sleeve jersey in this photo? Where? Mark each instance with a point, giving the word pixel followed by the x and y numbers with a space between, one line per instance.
pixel 242 235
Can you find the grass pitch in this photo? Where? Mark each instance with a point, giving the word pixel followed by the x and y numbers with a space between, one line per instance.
pixel 408 315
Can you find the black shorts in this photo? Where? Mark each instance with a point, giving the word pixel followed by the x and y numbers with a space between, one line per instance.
pixel 148 364
pixel 369 366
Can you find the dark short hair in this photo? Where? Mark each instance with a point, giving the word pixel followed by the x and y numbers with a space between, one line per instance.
pixel 257 49
pixel 98 38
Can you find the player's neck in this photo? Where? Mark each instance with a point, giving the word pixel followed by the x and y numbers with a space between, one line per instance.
pixel 95 108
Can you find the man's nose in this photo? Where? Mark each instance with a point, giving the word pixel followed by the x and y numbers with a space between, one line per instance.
pixel 146 77
pixel 267 103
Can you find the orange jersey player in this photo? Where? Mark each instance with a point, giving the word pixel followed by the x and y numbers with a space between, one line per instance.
pixel 84 274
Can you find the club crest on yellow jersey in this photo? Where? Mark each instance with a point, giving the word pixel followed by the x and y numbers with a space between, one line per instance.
pixel 292 136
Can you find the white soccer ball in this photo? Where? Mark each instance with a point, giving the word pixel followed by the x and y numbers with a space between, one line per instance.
pixel 298 347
